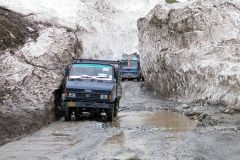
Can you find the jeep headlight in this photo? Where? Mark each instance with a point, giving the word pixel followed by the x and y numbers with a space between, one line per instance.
pixel 71 94
pixel 103 96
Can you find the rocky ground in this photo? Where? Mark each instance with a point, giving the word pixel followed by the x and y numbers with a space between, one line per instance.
pixel 146 128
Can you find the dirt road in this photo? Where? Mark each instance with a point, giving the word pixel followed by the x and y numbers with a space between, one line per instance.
pixel 144 129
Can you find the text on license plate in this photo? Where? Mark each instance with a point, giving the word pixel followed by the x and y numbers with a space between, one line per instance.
pixel 71 104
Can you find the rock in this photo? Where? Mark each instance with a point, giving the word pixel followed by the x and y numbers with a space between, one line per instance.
pixel 185 106
pixel 126 156
pixel 226 111
pixel 30 29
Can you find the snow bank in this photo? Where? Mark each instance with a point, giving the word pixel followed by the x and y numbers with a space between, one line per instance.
pixel 105 29
pixel 190 52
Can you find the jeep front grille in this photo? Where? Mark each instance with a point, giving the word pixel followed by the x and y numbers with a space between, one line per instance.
pixel 87 96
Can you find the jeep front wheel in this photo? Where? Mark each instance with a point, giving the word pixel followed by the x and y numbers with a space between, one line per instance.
pixel 67 114
pixel 116 106
pixel 110 113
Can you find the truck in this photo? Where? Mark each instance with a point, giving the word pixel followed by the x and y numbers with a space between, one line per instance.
pixel 130 67
pixel 92 86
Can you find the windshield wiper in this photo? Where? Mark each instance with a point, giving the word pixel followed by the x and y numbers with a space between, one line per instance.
pixel 86 76
pixel 73 79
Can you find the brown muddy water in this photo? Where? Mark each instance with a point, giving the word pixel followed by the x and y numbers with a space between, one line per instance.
pixel 169 121
pixel 140 129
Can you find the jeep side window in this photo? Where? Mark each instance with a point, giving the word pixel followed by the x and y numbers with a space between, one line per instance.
pixel 110 73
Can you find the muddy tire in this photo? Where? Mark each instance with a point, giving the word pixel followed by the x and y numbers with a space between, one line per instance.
pixel 110 114
pixel 116 107
pixel 67 114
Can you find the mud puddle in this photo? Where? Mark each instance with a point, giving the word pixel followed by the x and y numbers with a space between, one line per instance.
pixel 168 121
pixel 144 133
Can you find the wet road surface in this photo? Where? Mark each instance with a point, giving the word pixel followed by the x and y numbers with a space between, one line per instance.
pixel 142 130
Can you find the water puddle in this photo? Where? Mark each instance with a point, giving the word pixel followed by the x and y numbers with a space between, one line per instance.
pixel 149 132
pixel 170 121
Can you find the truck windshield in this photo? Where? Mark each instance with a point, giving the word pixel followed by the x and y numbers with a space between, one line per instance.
pixel 133 63
pixel 96 71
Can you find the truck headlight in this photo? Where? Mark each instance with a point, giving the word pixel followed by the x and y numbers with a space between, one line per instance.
pixel 103 96
pixel 71 94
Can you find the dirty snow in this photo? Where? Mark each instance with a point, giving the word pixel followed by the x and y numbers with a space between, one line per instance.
pixel 106 29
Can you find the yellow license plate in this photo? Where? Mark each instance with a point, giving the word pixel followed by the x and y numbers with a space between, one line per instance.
pixel 71 104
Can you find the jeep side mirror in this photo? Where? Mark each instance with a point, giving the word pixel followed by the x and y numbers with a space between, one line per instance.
pixel 66 72
pixel 115 73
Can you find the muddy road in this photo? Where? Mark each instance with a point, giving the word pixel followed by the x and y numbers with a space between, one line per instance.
pixel 145 128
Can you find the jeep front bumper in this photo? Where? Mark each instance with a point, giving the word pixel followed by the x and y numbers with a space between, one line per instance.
pixel 85 104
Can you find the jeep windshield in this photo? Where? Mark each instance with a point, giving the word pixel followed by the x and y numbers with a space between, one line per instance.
pixel 91 71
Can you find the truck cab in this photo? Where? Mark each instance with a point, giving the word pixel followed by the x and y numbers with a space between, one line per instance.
pixel 92 86
pixel 130 67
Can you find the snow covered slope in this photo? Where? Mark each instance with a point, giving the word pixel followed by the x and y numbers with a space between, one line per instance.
pixel 105 29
